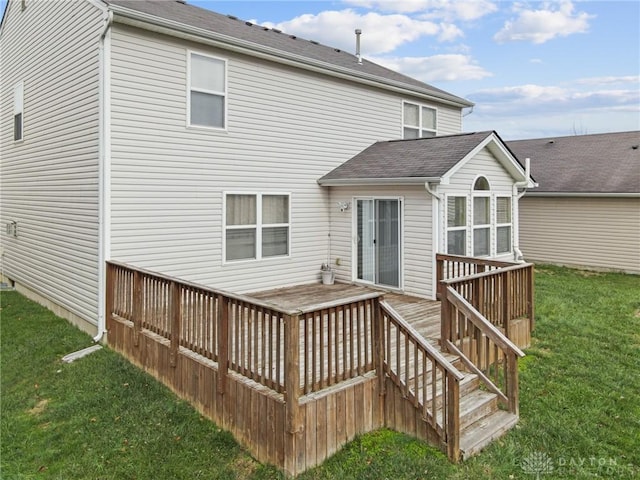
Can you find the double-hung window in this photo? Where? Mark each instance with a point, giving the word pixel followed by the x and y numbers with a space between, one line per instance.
pixel 503 225
pixel 207 91
pixel 418 121
pixel 457 225
pixel 256 226
pixel 481 218
pixel 18 111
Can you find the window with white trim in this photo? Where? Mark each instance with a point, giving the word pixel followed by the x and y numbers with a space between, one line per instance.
pixel 18 111
pixel 481 218
pixel 207 91
pixel 457 225
pixel 503 225
pixel 256 226
pixel 419 121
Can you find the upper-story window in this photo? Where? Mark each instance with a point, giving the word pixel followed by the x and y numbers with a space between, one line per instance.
pixel 256 226
pixel 18 111
pixel 481 217
pixel 418 121
pixel 207 91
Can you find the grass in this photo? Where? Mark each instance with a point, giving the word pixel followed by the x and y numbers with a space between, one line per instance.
pixel 101 418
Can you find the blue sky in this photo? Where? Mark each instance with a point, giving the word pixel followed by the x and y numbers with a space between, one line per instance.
pixel 533 69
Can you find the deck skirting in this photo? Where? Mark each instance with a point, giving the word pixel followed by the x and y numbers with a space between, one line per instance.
pixel 255 414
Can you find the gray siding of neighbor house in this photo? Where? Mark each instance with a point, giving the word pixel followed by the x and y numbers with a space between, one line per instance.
pixel 286 129
pixel 461 183
pixel 49 181
pixel 416 234
pixel 591 232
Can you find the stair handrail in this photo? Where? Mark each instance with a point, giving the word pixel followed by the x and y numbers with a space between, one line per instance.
pixel 511 350
pixel 419 339
pixel 449 430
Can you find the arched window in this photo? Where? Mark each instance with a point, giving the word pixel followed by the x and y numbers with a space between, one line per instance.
pixel 481 217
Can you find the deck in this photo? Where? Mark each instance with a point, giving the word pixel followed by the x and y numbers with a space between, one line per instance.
pixel 295 373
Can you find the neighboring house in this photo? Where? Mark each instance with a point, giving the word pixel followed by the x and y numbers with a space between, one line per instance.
pixel 229 154
pixel 586 211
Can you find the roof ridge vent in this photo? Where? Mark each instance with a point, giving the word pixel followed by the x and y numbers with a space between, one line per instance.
pixel 232 17
pixel 276 30
pixel 249 24
pixel 314 42
pixel 183 2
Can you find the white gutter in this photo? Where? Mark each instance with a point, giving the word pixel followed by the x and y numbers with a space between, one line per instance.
pixel 170 27
pixel 585 194
pixel 104 170
pixel 356 182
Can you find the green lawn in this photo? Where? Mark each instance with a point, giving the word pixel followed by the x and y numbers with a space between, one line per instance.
pixel 101 418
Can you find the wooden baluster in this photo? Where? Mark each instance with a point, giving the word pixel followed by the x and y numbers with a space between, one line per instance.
pixel 175 308
pixel 223 344
pixel 453 418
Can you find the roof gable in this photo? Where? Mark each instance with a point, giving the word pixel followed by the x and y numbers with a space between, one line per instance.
pixel 605 164
pixel 176 16
pixel 433 159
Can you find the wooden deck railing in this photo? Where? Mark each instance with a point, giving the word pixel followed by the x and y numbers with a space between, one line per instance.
pixel 483 349
pixel 477 310
pixel 333 341
pixel 424 376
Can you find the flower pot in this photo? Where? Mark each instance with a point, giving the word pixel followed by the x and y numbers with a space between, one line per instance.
pixel 328 277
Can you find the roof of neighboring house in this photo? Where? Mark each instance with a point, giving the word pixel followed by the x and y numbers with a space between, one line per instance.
pixel 606 163
pixel 417 161
pixel 179 16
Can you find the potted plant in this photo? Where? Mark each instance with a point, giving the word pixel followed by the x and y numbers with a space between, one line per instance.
pixel 328 275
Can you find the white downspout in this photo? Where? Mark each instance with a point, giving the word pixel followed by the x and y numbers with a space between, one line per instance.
pixel 435 240
pixel 517 253
pixel 104 169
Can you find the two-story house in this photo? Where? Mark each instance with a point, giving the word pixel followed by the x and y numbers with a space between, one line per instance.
pixel 238 157
pixel 202 146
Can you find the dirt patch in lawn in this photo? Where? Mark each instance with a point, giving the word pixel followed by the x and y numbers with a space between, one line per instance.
pixel 39 408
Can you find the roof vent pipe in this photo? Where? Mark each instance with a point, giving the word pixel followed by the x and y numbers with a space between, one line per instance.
pixel 358 33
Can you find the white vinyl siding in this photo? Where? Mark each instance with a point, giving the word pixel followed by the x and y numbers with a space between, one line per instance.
pixel 49 181
pixel 480 232
pixel 286 128
pixel 597 233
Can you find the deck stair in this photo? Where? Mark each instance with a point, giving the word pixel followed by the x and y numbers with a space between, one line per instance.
pixel 481 419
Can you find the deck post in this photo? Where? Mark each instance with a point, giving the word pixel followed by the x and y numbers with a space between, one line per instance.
pixel 294 447
pixel 176 313
pixel 378 329
pixel 439 278
pixel 445 324
pixel 507 300
pixel 223 344
pixel 108 304
pixel 137 307
pixel 453 418
pixel 512 382
pixel 530 293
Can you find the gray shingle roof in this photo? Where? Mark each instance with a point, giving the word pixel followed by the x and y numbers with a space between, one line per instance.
pixel 406 159
pixel 207 20
pixel 601 163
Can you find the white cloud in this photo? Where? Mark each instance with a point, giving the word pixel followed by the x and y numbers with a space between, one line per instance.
pixel 523 100
pixel 536 60
pixel 380 33
pixel 449 10
pixel 437 68
pixel 540 26
pixel 633 79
